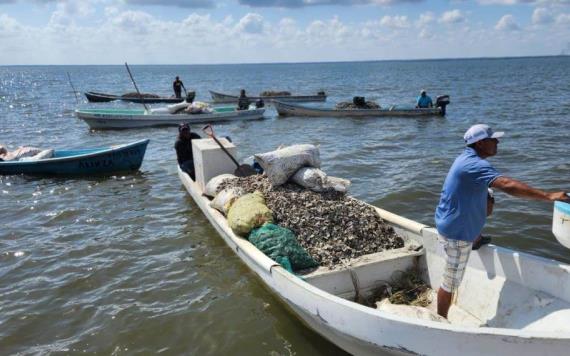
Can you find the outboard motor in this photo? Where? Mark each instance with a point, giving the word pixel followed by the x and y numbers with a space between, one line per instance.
pixel 359 101
pixel 321 93
pixel 259 104
pixel 190 96
pixel 441 102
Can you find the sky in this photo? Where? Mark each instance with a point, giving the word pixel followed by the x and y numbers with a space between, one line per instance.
pixel 267 31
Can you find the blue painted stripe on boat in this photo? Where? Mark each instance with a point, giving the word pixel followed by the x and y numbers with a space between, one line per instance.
pixel 562 207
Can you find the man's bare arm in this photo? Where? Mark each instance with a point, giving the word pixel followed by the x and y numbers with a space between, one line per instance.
pixel 522 190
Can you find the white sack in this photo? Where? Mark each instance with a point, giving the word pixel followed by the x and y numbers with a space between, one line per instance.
pixel 177 107
pixel 281 164
pixel 213 185
pixel 409 311
pixel 318 181
pixel 224 199
pixel 42 155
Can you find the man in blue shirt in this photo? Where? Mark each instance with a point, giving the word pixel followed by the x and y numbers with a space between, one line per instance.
pixel 462 209
pixel 424 101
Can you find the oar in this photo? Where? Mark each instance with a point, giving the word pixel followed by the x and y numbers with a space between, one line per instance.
pixel 137 88
pixel 242 170
pixel 73 88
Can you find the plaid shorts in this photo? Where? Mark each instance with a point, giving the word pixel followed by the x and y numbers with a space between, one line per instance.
pixel 456 256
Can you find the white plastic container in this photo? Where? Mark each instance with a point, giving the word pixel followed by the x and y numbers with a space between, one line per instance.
pixel 561 223
pixel 207 150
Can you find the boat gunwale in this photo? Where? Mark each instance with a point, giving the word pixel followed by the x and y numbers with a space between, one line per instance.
pixel 467 330
pixel 79 156
pixel 371 112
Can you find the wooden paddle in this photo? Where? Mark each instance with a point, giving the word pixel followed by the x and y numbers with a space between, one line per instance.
pixel 242 170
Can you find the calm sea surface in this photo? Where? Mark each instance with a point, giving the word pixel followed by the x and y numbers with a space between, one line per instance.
pixel 128 264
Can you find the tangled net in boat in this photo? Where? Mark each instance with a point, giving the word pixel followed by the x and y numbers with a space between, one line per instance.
pixel 345 105
pixel 405 287
pixel 137 95
pixel 274 93
pixel 331 226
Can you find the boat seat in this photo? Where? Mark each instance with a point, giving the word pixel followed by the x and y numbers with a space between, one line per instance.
pixel 365 272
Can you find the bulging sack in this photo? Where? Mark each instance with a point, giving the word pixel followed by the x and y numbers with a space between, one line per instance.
pixel 248 212
pixel 213 185
pixel 318 181
pixel 224 199
pixel 281 245
pixel 281 164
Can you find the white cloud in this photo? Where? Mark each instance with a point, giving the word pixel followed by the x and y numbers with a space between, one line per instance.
pixel 425 19
pixel 507 23
pixel 136 22
pixel 542 16
pixel 68 11
pixel 425 34
pixel 518 2
pixel 395 22
pixel 251 23
pixel 563 19
pixel 8 25
pixel 451 17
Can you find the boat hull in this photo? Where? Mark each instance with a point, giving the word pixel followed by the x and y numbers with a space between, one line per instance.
pixel 125 119
pixel 94 97
pixel 362 330
pixel 225 98
pixel 121 158
pixel 288 109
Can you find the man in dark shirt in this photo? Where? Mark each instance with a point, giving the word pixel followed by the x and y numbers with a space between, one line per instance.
pixel 243 101
pixel 177 85
pixel 183 148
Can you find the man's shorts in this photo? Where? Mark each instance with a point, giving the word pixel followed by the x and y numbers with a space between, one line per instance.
pixel 456 254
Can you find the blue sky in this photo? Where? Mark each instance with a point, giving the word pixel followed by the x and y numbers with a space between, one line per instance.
pixel 241 31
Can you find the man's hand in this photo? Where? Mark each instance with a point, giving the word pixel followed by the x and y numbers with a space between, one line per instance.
pixel 559 196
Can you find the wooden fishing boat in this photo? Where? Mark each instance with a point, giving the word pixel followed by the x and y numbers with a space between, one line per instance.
pixel 136 118
pixel 88 161
pixel 95 97
pixel 226 98
pixel 289 109
pixel 510 303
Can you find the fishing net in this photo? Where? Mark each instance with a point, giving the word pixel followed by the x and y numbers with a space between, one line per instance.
pixel 280 244
pixel 404 287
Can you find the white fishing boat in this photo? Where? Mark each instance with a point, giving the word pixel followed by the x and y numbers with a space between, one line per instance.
pixel 136 118
pixel 228 98
pixel 510 303
pixel 290 109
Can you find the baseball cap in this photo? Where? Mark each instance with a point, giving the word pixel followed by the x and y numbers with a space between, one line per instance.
pixel 183 127
pixel 480 132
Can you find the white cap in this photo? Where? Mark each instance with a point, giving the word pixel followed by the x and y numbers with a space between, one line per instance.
pixel 422 91
pixel 480 132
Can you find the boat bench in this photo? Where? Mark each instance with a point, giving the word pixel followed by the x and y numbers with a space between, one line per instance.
pixel 361 275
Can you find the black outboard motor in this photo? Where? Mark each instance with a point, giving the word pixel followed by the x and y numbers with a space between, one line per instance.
pixel 359 101
pixel 190 96
pixel 441 102
pixel 259 103
pixel 321 93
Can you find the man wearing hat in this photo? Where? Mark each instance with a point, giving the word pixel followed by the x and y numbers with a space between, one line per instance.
pixel 424 101
pixel 183 147
pixel 462 209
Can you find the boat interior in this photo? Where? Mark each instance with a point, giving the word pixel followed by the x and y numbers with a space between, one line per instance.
pixel 501 288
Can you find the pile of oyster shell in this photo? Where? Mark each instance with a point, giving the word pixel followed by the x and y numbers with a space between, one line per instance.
pixel 331 226
pixel 345 105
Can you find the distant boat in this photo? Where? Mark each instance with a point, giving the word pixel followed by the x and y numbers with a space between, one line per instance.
pixel 86 161
pixel 133 97
pixel 226 98
pixel 136 118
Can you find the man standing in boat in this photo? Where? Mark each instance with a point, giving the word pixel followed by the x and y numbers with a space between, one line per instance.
pixel 183 147
pixel 462 209
pixel 243 101
pixel 424 100
pixel 177 85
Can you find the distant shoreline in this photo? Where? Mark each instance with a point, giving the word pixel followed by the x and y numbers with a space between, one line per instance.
pixel 279 63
